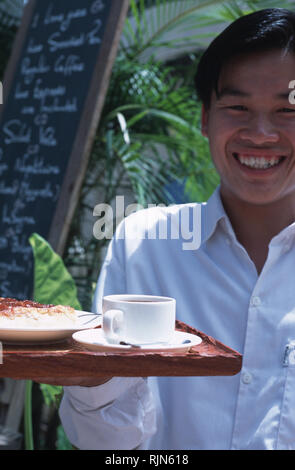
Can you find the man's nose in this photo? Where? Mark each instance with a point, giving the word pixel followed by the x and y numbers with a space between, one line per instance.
pixel 260 130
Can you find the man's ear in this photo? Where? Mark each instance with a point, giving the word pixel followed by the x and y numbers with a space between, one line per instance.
pixel 204 121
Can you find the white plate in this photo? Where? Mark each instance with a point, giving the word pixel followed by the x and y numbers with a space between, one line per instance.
pixel 48 335
pixel 95 340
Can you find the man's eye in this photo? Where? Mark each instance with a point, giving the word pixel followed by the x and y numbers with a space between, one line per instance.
pixel 287 110
pixel 237 107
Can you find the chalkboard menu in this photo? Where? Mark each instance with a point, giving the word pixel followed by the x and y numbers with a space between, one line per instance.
pixel 53 94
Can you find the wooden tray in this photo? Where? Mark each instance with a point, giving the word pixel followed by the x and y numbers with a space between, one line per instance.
pixel 70 359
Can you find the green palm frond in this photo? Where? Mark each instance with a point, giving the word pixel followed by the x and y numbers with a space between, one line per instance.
pixel 148 28
pixel 184 25
pixel 160 120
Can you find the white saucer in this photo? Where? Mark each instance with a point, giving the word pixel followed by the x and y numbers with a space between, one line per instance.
pixel 95 340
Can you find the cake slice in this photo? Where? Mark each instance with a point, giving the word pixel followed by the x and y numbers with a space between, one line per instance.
pixel 27 313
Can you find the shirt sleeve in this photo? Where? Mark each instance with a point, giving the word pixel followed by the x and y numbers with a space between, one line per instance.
pixel 119 414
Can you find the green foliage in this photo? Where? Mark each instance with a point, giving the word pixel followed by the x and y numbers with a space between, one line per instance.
pixel 62 442
pixel 52 394
pixel 53 284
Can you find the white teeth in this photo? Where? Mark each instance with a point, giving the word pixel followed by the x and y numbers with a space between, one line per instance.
pixel 260 162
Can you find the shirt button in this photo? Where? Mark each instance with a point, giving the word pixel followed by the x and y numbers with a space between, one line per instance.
pixel 255 301
pixel 246 378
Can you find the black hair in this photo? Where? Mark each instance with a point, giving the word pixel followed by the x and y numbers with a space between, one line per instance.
pixel 271 28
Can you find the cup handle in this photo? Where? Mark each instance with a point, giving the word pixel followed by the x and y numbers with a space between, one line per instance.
pixel 112 322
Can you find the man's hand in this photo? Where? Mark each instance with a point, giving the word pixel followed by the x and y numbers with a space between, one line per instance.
pixel 72 381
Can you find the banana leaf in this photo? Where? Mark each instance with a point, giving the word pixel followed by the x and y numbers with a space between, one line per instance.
pixel 53 284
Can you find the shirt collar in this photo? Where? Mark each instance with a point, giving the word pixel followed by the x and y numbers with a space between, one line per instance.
pixel 212 212
pixel 286 235
pixel 214 215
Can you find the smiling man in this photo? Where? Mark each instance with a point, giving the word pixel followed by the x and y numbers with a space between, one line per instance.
pixel 250 125
pixel 238 286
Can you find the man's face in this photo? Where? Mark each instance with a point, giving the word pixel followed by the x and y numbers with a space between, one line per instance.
pixel 251 128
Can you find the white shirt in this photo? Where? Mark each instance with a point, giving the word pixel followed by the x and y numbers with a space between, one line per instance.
pixel 217 291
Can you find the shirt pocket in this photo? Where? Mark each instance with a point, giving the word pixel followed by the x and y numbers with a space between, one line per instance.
pixel 286 433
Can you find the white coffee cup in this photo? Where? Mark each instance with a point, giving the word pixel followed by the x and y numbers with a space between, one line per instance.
pixel 138 319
